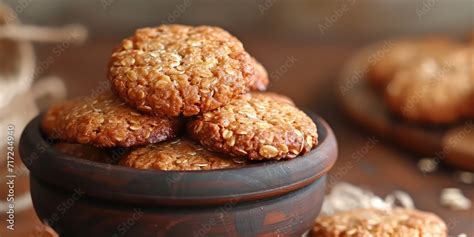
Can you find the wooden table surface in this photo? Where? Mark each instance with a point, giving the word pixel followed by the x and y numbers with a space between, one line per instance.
pixel 306 71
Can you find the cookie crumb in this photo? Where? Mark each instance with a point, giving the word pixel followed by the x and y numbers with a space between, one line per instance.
pixel 454 199
pixel 465 177
pixel 427 165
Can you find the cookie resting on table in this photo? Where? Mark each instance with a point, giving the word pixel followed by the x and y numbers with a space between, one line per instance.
pixel 398 222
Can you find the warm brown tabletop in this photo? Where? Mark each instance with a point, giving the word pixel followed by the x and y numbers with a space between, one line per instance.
pixel 306 71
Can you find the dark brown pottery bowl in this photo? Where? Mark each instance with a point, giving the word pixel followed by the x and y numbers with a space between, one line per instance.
pixel 83 198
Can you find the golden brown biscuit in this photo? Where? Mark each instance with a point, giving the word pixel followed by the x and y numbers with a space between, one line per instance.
pixel 177 69
pixel 260 81
pixel 84 152
pixel 433 90
pixel 256 126
pixel 398 222
pixel 275 96
pixel 402 53
pixel 105 121
pixel 180 154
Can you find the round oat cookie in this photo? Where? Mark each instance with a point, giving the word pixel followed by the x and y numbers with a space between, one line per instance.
pixel 434 90
pixel 105 121
pixel 85 152
pixel 180 154
pixel 256 126
pixel 274 96
pixel 260 82
pixel 398 222
pixel 177 69
pixel 401 53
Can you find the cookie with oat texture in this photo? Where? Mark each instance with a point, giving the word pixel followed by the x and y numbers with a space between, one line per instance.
pixel 180 154
pixel 177 70
pixel 274 96
pixel 398 222
pixel 260 81
pixel 256 126
pixel 106 121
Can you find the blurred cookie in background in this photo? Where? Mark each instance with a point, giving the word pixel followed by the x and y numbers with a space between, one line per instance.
pixel 403 53
pixel 433 89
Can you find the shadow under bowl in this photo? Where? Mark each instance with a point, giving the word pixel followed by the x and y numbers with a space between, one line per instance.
pixel 79 197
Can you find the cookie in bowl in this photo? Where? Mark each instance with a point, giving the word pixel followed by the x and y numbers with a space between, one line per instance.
pixel 377 223
pixel 433 90
pixel 180 70
pixel 285 188
pixel 180 154
pixel 256 126
pixel 274 96
pixel 159 76
pixel 105 121
pixel 260 80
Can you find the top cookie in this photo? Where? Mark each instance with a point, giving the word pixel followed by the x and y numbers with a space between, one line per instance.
pixel 435 90
pixel 105 121
pixel 398 222
pixel 256 126
pixel 180 154
pixel 402 53
pixel 176 69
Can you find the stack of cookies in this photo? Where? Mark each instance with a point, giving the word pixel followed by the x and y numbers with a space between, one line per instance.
pixel 428 80
pixel 183 98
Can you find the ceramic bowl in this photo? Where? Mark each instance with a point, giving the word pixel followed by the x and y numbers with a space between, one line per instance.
pixel 84 198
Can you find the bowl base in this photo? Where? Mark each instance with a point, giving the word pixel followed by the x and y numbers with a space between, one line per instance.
pixel 75 214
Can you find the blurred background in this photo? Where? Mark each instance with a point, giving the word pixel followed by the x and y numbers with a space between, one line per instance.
pixel 284 19
pixel 302 43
